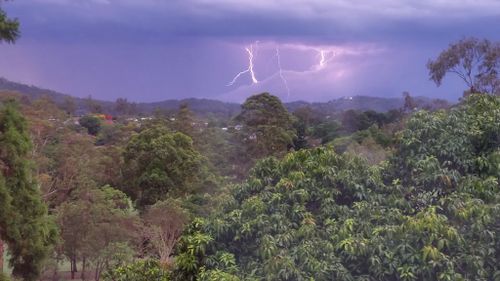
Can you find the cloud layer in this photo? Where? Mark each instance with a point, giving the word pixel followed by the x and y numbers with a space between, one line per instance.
pixel 156 49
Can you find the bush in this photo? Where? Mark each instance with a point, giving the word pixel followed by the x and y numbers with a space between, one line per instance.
pixel 144 270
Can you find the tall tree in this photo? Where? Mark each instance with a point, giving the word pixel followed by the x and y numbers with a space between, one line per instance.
pixel 164 224
pixel 184 121
pixel 476 62
pixel 160 162
pixel 26 226
pixel 122 106
pixel 93 225
pixel 93 106
pixel 69 105
pixel 267 127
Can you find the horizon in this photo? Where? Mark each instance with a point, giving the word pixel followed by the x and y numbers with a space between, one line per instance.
pixel 210 99
pixel 313 51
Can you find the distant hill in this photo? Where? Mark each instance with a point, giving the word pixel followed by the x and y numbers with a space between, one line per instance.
pixel 208 107
pixel 202 107
pixel 363 103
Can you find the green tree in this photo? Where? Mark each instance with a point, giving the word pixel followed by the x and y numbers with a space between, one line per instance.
pixel 327 131
pixel 476 62
pixel 430 212
pixel 98 226
pixel 160 163
pixel 267 129
pixel 91 123
pixel 25 224
pixel 286 221
pixel 185 121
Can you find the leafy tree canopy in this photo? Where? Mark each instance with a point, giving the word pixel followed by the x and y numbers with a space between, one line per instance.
pixel 429 213
pixel 24 221
pixel 9 28
pixel 160 162
pixel 476 62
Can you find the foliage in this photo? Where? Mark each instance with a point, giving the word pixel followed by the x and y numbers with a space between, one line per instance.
pixel 429 213
pixel 280 223
pixel 91 123
pixel 25 225
pixel 161 163
pixel 9 28
pixel 98 226
pixel 144 270
pixel 327 131
pixel 164 224
pixel 476 62
pixel 184 121
pixel 267 129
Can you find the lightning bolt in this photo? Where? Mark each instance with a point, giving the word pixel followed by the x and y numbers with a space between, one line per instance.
pixel 281 73
pixel 324 57
pixel 323 61
pixel 250 70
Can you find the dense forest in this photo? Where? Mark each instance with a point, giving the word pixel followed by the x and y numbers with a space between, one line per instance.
pixel 403 195
pixel 265 191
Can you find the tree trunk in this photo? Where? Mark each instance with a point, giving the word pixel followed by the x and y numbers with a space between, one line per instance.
pixel 97 272
pixel 84 266
pixel 55 274
pixel 1 256
pixel 73 267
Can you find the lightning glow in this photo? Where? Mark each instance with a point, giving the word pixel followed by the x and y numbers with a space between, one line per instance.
pixel 250 70
pixel 324 57
pixel 278 57
pixel 320 63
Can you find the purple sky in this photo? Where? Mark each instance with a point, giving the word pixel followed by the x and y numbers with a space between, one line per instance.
pixel 151 50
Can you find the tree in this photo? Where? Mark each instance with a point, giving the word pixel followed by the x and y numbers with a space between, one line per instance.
pixel 305 118
pixel 9 28
pixel 98 226
pixel 69 105
pixel 353 120
pixel 184 121
pixel 327 131
pixel 122 106
pixel 75 167
pixel 267 128
pixel 164 224
pixel 160 163
pixel 91 123
pixel 476 62
pixel 25 225
pixel 409 102
pixel 285 222
pixel 93 106
pixel 431 212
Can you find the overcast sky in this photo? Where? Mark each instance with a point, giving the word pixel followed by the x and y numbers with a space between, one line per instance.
pixel 315 50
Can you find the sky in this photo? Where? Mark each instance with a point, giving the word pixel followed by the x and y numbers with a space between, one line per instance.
pixel 312 50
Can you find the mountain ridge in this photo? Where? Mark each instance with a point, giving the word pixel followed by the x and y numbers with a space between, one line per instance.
pixel 206 106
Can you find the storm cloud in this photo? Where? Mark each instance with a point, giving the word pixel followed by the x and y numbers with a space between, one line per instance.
pixel 148 50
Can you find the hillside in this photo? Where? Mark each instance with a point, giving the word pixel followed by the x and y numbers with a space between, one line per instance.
pixel 207 107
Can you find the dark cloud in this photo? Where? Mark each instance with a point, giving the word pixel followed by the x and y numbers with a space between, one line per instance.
pixel 156 49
